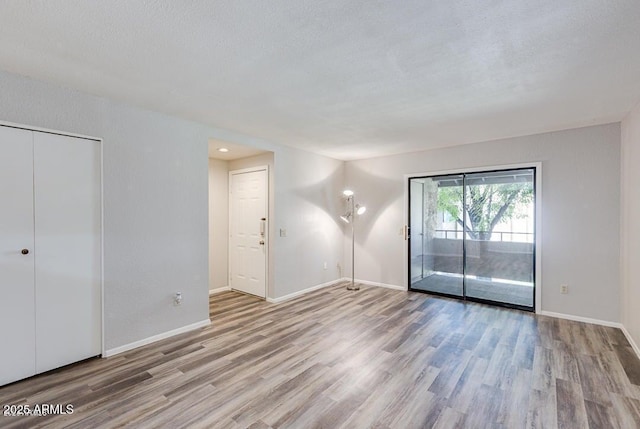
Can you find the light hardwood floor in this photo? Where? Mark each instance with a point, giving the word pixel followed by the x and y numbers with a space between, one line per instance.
pixel 333 358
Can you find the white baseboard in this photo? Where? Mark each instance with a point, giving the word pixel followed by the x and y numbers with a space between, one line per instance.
pixel 370 283
pixel 302 292
pixel 581 319
pixel 154 338
pixel 219 290
pixel 631 341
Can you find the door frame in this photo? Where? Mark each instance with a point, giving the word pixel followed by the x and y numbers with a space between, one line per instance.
pixel 267 237
pixel 100 141
pixel 538 217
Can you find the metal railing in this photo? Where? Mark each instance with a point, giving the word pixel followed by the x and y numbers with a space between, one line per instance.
pixel 452 234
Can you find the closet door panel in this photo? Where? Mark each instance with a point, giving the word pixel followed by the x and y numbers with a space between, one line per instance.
pixel 68 239
pixel 17 317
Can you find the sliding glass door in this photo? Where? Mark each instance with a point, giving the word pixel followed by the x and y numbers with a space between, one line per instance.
pixel 435 238
pixel 472 236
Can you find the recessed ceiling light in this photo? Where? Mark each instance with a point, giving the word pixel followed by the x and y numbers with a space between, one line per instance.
pixel 223 149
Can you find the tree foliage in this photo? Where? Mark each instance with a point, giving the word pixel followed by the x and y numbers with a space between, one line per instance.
pixel 486 205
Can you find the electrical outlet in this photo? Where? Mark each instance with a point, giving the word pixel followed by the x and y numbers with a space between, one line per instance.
pixel 283 232
pixel 564 288
pixel 177 299
pixel 324 266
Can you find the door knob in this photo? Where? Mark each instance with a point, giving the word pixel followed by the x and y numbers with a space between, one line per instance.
pixel 25 251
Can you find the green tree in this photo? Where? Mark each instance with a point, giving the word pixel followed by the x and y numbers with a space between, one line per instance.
pixel 487 205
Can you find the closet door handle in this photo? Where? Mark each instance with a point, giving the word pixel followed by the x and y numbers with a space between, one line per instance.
pixel 25 251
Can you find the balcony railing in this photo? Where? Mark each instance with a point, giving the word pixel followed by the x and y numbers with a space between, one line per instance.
pixel 452 234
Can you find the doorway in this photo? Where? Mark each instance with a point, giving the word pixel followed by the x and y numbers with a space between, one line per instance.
pixel 226 157
pixel 248 208
pixel 472 236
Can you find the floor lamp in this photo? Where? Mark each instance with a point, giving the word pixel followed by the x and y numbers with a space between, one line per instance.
pixel 349 217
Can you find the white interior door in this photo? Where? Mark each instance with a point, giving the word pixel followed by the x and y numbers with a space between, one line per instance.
pixel 68 239
pixel 248 231
pixel 17 317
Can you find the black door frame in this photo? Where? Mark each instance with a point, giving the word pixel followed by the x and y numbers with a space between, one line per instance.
pixel 464 296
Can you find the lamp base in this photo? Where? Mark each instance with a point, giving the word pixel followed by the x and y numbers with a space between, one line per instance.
pixel 353 286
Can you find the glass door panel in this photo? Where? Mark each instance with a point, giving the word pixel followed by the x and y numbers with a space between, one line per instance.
pixel 499 236
pixel 435 235
pixel 416 229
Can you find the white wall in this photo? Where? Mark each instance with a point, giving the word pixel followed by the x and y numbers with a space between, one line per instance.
pixel 630 230
pixel 308 205
pixel 156 205
pixel 218 223
pixel 580 212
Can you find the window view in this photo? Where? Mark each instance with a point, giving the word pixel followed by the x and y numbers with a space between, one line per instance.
pixel 472 236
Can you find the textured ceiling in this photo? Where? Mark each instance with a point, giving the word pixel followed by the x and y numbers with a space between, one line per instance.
pixel 349 78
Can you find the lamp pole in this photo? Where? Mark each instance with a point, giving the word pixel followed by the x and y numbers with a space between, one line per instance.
pixel 353 210
pixel 353 286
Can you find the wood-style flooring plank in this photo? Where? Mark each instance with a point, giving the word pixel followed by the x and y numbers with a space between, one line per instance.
pixel 571 409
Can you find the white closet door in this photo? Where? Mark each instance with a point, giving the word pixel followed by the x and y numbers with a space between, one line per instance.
pixel 68 258
pixel 17 318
